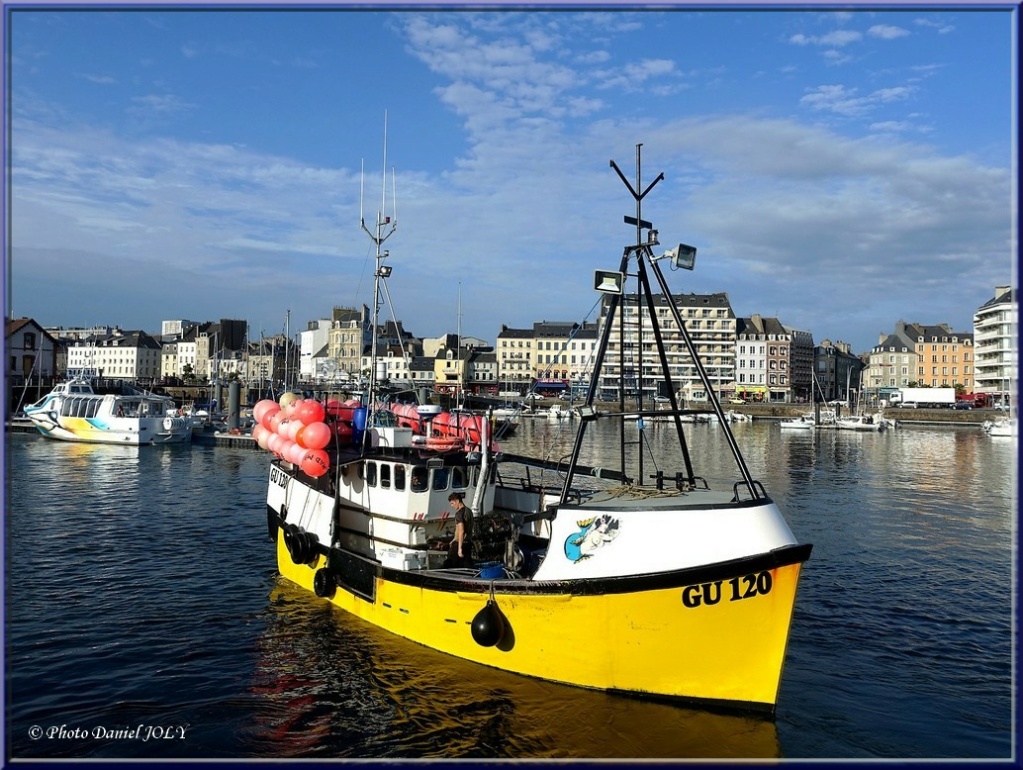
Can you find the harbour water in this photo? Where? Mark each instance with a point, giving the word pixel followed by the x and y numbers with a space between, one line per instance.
pixel 145 619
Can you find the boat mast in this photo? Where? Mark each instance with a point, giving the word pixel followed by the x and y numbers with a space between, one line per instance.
pixel 378 236
pixel 642 251
pixel 459 384
pixel 287 350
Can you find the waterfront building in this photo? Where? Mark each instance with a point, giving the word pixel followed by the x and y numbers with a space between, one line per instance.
pixel 773 362
pixel 483 372
pixel 133 356
pixel 996 345
pixel 945 358
pixel 32 352
pixel 919 355
pixel 515 358
pixel 892 363
pixel 465 369
pixel 554 354
pixel 314 360
pixel 422 372
pixel 711 324
pixel 179 358
pixel 267 359
pixel 562 353
pixel 838 372
pixel 218 350
pixel 801 357
pixel 350 335
pixel 396 349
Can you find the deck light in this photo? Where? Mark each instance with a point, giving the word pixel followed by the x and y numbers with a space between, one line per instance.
pixel 682 256
pixel 608 281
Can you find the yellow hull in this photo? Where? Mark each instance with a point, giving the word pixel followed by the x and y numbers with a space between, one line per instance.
pixel 721 640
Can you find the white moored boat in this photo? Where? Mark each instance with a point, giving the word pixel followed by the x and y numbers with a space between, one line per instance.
pixel 861 422
pixel 72 411
pixel 1003 428
pixel 802 422
pixel 607 578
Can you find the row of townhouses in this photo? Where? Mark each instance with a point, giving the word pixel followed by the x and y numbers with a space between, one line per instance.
pixel 754 358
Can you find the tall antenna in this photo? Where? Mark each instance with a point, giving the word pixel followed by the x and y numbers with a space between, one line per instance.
pixel 384 229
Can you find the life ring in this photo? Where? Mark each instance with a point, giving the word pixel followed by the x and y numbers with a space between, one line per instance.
pixel 168 423
pixel 441 443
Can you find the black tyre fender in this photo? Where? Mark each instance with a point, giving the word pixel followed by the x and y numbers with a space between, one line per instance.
pixel 309 552
pixel 295 543
pixel 324 583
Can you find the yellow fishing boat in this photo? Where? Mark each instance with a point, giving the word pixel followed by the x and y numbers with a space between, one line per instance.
pixel 654 585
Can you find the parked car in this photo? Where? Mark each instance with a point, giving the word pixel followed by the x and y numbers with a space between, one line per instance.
pixel 736 401
pixel 661 399
pixel 962 405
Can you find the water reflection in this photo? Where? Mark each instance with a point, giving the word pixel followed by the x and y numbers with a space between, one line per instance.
pixel 332 685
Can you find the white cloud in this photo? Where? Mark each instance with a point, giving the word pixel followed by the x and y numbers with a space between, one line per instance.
pixel 837 38
pixel 942 28
pixel 160 103
pixel 845 101
pixel 887 32
pixel 100 80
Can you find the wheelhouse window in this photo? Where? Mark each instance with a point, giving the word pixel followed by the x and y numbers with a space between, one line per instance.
pixel 440 478
pixel 459 477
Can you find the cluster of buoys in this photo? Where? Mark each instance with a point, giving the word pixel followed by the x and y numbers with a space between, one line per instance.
pixel 467 428
pixel 299 429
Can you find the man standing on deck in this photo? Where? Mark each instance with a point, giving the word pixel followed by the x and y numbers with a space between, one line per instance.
pixel 460 544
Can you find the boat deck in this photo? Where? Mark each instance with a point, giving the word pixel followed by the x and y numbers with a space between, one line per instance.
pixel 647 498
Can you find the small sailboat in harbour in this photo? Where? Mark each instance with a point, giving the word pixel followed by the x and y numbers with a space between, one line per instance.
pixel 615 579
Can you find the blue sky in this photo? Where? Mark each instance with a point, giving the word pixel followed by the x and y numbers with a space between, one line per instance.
pixel 838 169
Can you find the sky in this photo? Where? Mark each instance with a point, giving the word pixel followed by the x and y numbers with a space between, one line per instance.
pixel 840 169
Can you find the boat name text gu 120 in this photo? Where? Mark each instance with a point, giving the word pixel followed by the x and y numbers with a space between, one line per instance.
pixel 279 477
pixel 745 587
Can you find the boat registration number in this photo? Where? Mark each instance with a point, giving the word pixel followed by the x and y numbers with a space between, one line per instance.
pixel 734 590
pixel 279 477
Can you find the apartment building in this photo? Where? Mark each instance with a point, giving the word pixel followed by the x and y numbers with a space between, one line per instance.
pixel 773 362
pixel 314 360
pixel 921 355
pixel 711 324
pixel 996 345
pixel 515 357
pixel 350 335
pixel 838 372
pixel 129 355
pixel 945 358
